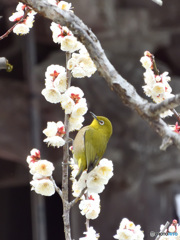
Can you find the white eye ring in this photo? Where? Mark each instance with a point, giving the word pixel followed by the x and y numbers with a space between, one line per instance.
pixel 101 122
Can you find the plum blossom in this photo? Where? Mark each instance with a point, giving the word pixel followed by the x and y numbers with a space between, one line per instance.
pixel 157 86
pixel 90 207
pixel 128 231
pixel 43 168
pixel 25 22
pixel 44 187
pixel 54 133
pixel 90 234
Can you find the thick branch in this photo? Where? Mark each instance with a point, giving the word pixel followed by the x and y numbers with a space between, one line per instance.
pixel 116 82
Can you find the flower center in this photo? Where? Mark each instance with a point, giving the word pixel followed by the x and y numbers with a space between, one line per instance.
pixel 75 97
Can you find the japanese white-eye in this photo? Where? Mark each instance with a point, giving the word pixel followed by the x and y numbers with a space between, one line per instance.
pixel 90 143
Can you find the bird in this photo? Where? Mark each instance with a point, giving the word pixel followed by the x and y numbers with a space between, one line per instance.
pixel 90 144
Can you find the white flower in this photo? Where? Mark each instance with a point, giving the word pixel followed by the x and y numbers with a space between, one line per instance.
pixel 69 44
pixel 90 234
pixel 29 20
pixel 158 88
pixel 35 156
pixel 75 123
pixel 124 234
pixel 29 159
pixel 54 27
pixel 79 185
pixel 55 141
pixel 20 6
pixel 147 90
pixel 168 88
pixel 16 16
pixel 31 12
pixel 90 207
pixel 54 129
pixel 78 72
pixel 83 50
pixel 21 29
pixel 165 77
pixel 95 183
pixel 44 187
pixel 51 129
pixel 42 167
pixel 167 113
pixel 37 176
pixel 60 128
pixel 171 228
pixel 72 63
pixel 125 222
pixel 128 231
pixel 168 95
pixel 61 82
pixel 58 32
pixel 35 152
pixel 105 169
pixel 86 63
pixel 67 103
pixel 51 95
pixel 149 77
pixel 146 62
pixel 81 64
pixel 157 78
pixel 80 108
pixel 49 83
pixel 53 71
pixel 75 92
pixel 64 5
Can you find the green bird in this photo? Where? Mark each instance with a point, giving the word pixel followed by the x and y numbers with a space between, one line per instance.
pixel 90 143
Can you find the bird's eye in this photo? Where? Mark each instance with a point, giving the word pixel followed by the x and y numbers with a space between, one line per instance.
pixel 101 122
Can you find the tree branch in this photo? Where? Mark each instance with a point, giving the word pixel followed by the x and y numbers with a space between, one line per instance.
pixel 65 165
pixel 163 230
pixel 11 29
pixel 58 190
pixel 73 202
pixel 169 103
pixel 116 82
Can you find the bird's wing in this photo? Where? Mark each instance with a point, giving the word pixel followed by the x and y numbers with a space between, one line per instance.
pixel 92 152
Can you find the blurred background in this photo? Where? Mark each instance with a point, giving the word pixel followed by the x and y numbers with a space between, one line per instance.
pixel 146 180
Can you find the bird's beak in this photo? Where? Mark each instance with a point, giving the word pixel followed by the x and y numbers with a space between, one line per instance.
pixel 93 115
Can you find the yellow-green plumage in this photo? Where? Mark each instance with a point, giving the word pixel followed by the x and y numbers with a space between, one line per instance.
pixel 90 143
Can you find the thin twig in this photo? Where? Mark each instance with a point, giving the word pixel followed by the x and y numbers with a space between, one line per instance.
pixel 163 230
pixel 87 222
pixel 170 103
pixel 155 69
pixel 58 190
pixel 73 202
pixel 11 29
pixel 176 115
